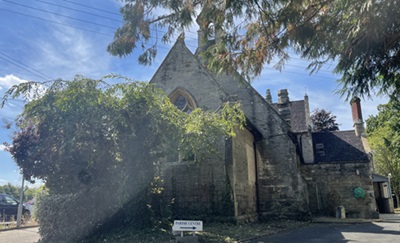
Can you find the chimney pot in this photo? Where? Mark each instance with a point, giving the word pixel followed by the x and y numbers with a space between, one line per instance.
pixel 356 109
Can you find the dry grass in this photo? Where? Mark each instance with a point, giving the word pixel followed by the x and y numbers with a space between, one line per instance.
pixel 213 232
pixel 231 233
pixel 26 222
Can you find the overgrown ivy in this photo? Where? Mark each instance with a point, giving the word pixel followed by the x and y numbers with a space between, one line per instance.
pixel 97 147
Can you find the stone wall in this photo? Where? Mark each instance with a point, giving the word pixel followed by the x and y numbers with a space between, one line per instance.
pixel 332 185
pixel 199 189
pixel 282 191
pixel 181 70
pixel 244 176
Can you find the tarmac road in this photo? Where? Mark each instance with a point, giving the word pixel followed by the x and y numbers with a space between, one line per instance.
pixel 386 230
pixel 23 235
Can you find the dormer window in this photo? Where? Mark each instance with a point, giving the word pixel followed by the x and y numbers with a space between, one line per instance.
pixel 319 149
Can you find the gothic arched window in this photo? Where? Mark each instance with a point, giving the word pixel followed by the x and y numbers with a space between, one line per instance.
pixel 182 100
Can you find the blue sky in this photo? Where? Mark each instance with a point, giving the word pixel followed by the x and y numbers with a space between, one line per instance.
pixel 47 39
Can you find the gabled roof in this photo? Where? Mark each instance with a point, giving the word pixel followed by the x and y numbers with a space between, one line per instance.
pixel 298 121
pixel 256 109
pixel 182 70
pixel 338 147
pixel 298 116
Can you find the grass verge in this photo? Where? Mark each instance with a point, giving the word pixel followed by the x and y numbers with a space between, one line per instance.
pixel 13 224
pixel 213 232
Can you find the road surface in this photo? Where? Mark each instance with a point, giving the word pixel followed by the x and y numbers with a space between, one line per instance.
pixel 23 235
pixel 385 231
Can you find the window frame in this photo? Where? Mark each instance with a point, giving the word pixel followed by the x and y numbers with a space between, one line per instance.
pixel 191 103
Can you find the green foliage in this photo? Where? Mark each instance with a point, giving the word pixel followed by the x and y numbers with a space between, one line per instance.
pixel 14 191
pixel 362 35
pixel 97 147
pixel 29 193
pixel 323 121
pixel 383 131
pixel 10 190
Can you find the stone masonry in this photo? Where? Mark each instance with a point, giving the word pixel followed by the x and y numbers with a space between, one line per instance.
pixel 274 168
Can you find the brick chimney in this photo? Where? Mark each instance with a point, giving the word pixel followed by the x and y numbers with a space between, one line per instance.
pixel 284 104
pixel 358 122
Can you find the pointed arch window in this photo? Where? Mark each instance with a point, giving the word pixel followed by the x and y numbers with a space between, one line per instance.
pixel 183 100
pixel 211 31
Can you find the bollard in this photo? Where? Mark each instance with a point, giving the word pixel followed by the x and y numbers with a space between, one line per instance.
pixel 340 212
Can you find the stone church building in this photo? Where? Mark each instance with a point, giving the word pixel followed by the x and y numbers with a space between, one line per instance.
pixel 275 166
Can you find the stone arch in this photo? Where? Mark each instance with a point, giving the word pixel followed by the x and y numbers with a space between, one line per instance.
pixel 211 31
pixel 183 100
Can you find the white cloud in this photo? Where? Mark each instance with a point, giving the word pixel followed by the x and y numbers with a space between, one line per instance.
pixel 2 147
pixel 69 52
pixel 117 3
pixel 9 80
pixel 11 108
pixel 3 182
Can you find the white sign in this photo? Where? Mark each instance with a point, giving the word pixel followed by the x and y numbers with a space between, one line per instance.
pixel 187 225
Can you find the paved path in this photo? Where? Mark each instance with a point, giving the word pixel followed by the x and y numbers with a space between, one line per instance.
pixel 387 230
pixel 23 235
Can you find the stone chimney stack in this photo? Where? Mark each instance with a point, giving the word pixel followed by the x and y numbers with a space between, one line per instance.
pixel 284 105
pixel 358 122
pixel 268 96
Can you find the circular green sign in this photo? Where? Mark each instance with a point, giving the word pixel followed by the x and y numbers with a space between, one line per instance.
pixel 359 192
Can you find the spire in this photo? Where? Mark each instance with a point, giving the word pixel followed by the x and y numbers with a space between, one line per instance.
pixel 268 96
pixel 307 111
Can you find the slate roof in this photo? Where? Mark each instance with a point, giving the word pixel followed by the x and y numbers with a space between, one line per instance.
pixel 297 115
pixel 379 178
pixel 338 147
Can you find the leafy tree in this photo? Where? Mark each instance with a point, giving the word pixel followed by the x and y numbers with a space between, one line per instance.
pixel 362 35
pixel 323 121
pixel 93 142
pixel 29 193
pixel 383 131
pixel 10 189
pixel 14 191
